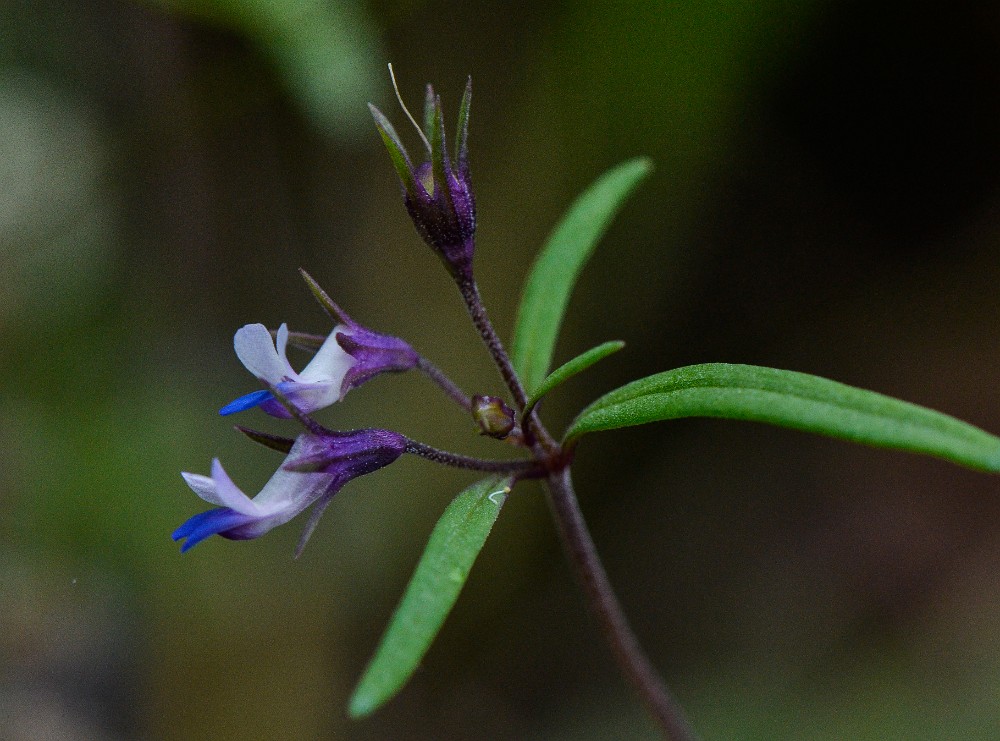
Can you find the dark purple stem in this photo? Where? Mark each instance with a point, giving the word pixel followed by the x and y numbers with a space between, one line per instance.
pixel 470 292
pixel 552 461
pixel 446 384
pixel 473 464
pixel 590 571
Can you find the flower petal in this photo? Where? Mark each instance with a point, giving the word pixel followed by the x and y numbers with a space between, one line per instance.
pixel 229 494
pixel 203 486
pixel 206 524
pixel 248 401
pixel 255 349
pixel 330 363
pixel 282 342
pixel 220 490
pixel 289 492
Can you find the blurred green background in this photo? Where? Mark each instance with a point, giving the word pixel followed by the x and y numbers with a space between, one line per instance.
pixel 825 200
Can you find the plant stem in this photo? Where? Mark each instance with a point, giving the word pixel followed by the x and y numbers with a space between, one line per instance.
pixel 590 571
pixel 576 538
pixel 447 385
pixel 521 466
pixel 470 292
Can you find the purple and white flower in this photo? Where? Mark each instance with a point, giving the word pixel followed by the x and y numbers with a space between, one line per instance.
pixel 316 468
pixel 350 356
pixel 318 385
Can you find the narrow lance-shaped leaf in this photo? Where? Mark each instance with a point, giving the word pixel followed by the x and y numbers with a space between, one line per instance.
pixel 552 277
pixel 577 365
pixel 453 546
pixel 795 400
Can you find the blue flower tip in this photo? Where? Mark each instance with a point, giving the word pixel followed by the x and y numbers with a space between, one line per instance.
pixel 253 399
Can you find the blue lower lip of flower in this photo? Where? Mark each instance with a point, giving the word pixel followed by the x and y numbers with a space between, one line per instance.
pixel 206 524
pixel 246 402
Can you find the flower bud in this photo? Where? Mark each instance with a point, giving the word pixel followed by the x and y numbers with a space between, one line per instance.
pixel 494 417
pixel 437 194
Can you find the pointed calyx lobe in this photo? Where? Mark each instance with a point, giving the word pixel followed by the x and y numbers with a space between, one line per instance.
pixel 438 192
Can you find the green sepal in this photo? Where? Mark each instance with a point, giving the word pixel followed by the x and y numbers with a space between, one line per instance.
pixel 429 111
pixel 328 304
pixel 397 152
pixel 439 156
pixel 567 370
pixel 462 131
pixel 443 569
pixel 790 399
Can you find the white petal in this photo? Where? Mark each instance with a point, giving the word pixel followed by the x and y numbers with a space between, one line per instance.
pixel 290 492
pixel 256 351
pixel 203 486
pixel 331 362
pixel 228 494
pixel 282 343
pixel 309 397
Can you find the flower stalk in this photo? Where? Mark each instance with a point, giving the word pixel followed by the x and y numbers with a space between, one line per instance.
pixel 524 468
pixel 477 311
pixel 449 387
pixel 590 572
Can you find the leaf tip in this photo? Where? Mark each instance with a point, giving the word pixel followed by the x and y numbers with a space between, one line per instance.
pixel 361 705
pixel 642 164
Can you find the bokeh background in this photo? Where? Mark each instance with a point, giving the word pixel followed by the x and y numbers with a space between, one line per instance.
pixel 825 200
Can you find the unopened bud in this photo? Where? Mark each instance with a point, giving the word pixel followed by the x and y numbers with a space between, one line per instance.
pixel 438 192
pixel 494 417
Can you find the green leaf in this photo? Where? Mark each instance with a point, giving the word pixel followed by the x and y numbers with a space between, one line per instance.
pixel 790 399
pixel 577 365
pixel 453 546
pixel 551 280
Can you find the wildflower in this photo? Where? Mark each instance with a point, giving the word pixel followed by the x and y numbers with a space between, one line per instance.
pixel 437 195
pixel 348 357
pixel 317 467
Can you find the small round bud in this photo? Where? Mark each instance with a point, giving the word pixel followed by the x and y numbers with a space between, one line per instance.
pixel 494 417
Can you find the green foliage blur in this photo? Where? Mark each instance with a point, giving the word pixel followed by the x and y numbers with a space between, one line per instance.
pixel 825 200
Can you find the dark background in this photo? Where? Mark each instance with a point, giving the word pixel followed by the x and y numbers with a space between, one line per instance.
pixel 825 200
